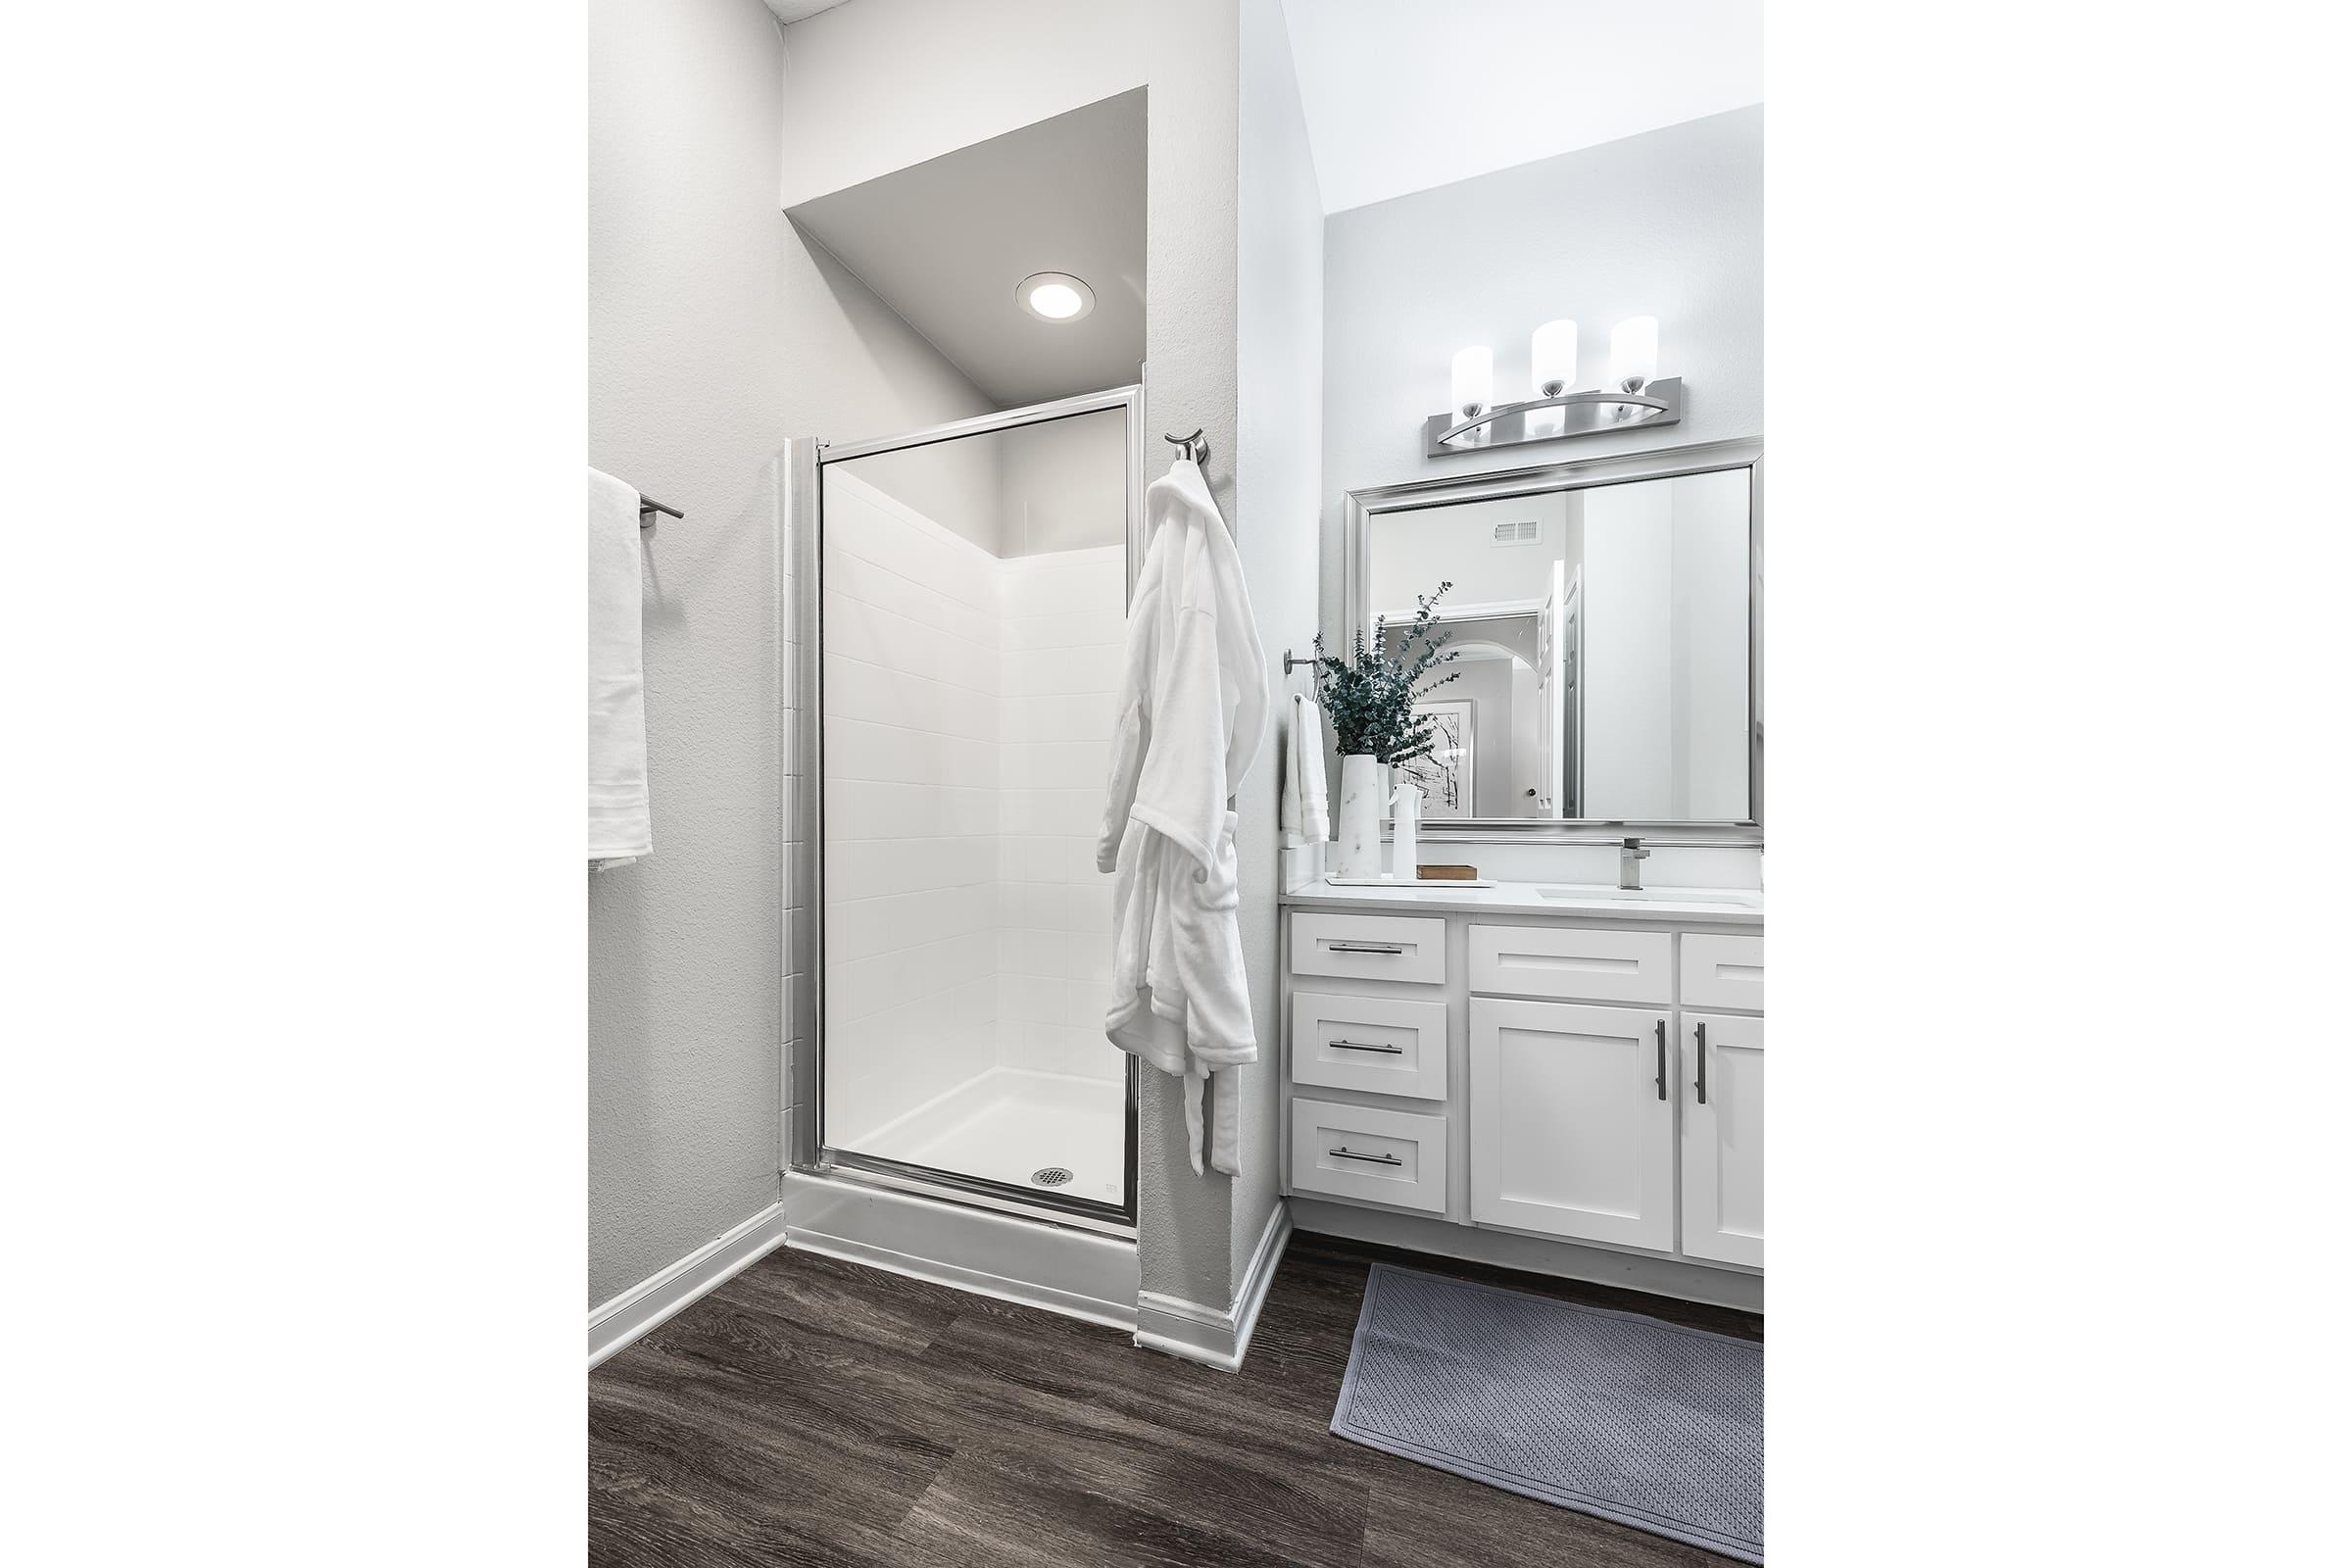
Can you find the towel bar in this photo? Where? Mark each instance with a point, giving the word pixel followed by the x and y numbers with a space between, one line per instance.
pixel 647 506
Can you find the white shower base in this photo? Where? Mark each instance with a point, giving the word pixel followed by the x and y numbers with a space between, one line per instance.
pixel 1008 1123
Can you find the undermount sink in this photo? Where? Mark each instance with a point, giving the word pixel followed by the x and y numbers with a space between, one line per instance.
pixel 1602 893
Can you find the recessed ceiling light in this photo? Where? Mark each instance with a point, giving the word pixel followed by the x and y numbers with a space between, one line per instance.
pixel 1055 296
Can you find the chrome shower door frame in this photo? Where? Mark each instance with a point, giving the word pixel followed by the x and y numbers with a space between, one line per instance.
pixel 802 647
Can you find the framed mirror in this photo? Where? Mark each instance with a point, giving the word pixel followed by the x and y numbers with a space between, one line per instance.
pixel 1609 615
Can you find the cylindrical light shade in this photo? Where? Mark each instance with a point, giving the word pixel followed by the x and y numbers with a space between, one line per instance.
pixel 1634 353
pixel 1473 380
pixel 1551 358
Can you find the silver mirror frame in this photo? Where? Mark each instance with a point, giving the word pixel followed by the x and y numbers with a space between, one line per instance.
pixel 1668 462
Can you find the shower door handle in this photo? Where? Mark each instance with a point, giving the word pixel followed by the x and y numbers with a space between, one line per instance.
pixel 1345 1152
pixel 1350 1045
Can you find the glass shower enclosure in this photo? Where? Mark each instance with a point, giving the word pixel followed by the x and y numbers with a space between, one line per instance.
pixel 970 626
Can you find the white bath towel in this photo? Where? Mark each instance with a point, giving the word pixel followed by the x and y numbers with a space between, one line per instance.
pixel 620 816
pixel 1306 797
pixel 1191 718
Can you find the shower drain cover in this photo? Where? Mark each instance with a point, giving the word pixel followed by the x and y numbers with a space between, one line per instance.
pixel 1051 1176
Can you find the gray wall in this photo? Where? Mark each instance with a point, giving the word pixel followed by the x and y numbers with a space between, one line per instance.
pixel 691 110
pixel 713 334
pixel 1668 224
pixel 717 332
pixel 1192 54
pixel 1281 407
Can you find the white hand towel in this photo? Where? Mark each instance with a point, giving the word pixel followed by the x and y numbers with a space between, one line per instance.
pixel 620 816
pixel 1305 798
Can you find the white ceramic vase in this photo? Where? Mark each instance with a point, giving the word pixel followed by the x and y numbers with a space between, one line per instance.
pixel 1363 789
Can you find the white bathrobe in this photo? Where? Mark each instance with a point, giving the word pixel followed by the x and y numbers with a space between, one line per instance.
pixel 1192 716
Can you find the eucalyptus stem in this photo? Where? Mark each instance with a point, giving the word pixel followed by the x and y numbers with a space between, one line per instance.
pixel 1370 692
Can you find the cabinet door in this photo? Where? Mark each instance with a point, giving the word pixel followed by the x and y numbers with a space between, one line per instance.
pixel 1723 1137
pixel 1571 1120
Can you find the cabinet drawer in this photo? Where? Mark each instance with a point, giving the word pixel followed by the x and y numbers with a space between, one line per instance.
pixel 1722 972
pixel 1369 946
pixel 1571 963
pixel 1382 1157
pixel 1378 1044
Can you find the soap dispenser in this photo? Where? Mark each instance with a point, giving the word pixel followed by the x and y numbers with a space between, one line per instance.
pixel 1405 862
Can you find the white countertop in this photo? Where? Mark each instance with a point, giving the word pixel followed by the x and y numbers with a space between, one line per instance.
pixel 1726 905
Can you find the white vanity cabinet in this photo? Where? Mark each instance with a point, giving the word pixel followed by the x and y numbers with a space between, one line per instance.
pixel 1723 1137
pixel 1571 1120
pixel 1594 1079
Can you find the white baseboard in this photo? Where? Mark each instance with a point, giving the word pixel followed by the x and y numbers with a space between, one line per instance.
pixel 647 1304
pixel 1057 1268
pixel 1214 1336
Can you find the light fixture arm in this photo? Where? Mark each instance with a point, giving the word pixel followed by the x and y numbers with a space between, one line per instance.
pixel 1655 403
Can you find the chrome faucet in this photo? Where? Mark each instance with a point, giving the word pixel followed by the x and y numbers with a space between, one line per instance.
pixel 1630 856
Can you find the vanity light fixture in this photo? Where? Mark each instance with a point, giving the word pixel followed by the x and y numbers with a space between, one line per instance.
pixel 1634 352
pixel 1636 396
pixel 1551 367
pixel 1055 296
pixel 1473 384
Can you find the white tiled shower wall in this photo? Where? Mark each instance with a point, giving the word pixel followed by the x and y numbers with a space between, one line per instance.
pixel 967 705
pixel 1062 637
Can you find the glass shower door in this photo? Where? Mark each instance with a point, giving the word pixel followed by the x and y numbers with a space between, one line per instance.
pixel 973 621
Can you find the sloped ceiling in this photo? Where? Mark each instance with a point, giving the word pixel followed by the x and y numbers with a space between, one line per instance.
pixel 946 242
pixel 1404 95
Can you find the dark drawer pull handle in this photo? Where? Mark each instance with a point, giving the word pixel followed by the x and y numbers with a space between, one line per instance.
pixel 1345 1152
pixel 1350 1045
pixel 1702 1063
pixel 1366 947
pixel 1661 1059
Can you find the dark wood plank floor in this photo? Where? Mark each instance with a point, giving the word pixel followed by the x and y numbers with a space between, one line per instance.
pixel 811 1411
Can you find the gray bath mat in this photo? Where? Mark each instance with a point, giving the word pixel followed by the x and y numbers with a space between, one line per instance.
pixel 1625 1417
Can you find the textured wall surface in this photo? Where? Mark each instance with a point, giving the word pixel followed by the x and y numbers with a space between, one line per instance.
pixel 715 334
pixel 1668 224
pixel 1280 345
pixel 1183 1232
pixel 880 84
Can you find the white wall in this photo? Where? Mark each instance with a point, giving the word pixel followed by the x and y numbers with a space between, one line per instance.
pixel 1279 363
pixel 956 484
pixel 967 705
pixel 1669 223
pixel 1486 685
pixel 713 334
pixel 1063 627
pixel 879 85
pixel 1629 644
pixel 912 758
pixel 869 87
pixel 1412 552
pixel 1711 648
pixel 1666 649
pixel 1063 485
